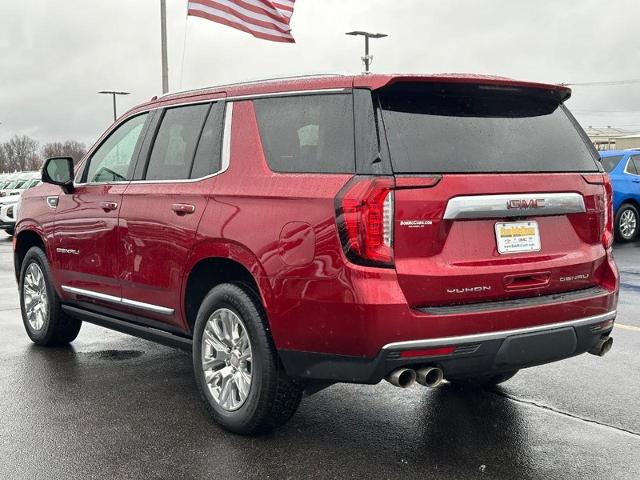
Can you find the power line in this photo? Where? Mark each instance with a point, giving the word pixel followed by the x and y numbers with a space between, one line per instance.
pixel 610 83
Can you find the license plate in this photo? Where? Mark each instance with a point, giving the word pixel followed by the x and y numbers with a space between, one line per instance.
pixel 517 237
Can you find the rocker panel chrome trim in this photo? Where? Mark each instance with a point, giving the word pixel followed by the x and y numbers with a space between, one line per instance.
pixel 122 301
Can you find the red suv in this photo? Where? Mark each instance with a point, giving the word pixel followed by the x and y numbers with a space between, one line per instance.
pixel 295 233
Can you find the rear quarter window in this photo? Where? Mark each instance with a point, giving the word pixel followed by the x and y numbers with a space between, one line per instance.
pixel 610 163
pixel 308 134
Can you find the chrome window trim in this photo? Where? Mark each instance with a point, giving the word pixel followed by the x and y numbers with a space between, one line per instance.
pixel 495 206
pixel 485 337
pixel 119 300
pixel 627 166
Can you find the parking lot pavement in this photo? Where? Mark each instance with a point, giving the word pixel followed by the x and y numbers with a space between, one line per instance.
pixel 113 406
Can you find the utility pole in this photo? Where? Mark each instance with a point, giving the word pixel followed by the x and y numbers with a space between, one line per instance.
pixel 367 59
pixel 113 93
pixel 163 33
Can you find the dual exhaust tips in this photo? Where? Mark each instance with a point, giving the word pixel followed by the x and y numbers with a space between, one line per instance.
pixel 405 377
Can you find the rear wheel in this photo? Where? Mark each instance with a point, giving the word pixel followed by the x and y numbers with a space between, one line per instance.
pixel 627 223
pixel 236 366
pixel 43 318
pixel 483 381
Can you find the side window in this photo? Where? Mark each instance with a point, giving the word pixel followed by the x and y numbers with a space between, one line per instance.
pixel 207 159
pixel 176 142
pixel 311 134
pixel 632 166
pixel 112 161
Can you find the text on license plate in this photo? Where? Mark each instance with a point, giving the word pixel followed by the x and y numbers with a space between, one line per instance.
pixel 515 237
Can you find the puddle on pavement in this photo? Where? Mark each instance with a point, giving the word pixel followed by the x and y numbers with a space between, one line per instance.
pixel 115 355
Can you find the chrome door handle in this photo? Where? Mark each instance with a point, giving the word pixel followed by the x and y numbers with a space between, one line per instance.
pixel 183 208
pixel 108 206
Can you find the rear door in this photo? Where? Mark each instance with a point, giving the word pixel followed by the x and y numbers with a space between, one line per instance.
pixel 162 207
pixel 498 195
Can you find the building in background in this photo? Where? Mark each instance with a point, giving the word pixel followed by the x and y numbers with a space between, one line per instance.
pixel 611 138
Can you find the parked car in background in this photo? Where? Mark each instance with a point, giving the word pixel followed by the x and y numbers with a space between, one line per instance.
pixel 10 197
pixel 295 233
pixel 623 167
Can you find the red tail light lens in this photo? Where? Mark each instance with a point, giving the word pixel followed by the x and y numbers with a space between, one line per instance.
pixel 607 235
pixel 364 211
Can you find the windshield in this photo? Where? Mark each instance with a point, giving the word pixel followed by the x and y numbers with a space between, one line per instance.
pixel 435 128
pixel 610 163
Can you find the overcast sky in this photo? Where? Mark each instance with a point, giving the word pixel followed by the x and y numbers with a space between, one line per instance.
pixel 55 55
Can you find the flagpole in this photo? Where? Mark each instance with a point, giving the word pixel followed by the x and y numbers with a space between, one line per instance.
pixel 184 45
pixel 163 33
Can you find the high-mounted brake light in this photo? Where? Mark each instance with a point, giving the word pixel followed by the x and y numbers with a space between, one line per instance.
pixel 607 234
pixel 364 211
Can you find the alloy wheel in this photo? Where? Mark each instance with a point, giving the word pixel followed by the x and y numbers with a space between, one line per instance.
pixel 628 224
pixel 34 293
pixel 227 359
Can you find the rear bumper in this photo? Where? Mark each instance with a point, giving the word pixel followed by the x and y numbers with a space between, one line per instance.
pixel 477 354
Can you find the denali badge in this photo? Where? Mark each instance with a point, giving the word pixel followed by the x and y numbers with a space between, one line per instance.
pixel 526 204
pixel 68 251
pixel 584 276
pixel 484 288
pixel 415 223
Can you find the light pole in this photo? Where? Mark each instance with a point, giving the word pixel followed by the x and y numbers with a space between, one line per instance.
pixel 113 93
pixel 163 40
pixel 367 59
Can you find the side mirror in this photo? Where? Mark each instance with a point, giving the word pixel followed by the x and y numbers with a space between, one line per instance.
pixel 59 171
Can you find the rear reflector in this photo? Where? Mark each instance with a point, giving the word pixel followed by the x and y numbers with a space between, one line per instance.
pixel 429 352
pixel 607 235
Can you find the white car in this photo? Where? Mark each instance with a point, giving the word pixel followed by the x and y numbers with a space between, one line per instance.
pixel 10 196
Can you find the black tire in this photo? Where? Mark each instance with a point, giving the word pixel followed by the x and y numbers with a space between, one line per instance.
pixel 482 381
pixel 10 231
pixel 57 327
pixel 273 397
pixel 622 234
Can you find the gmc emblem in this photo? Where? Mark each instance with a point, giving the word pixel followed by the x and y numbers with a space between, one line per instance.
pixel 526 204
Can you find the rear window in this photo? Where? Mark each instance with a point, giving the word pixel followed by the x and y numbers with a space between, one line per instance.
pixel 457 129
pixel 610 163
pixel 312 133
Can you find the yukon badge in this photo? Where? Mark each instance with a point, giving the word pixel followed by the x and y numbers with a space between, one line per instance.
pixel 520 204
pixel 480 289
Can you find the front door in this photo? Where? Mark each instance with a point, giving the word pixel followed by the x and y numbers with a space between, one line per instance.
pixel 86 232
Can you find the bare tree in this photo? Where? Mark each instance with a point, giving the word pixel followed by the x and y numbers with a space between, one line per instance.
pixel 3 160
pixel 70 148
pixel 21 153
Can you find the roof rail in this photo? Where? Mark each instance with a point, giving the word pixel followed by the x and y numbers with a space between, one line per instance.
pixel 253 82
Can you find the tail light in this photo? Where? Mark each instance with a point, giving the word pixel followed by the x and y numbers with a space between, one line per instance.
pixel 364 211
pixel 607 234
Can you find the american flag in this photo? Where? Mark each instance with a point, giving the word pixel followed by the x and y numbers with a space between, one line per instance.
pixel 266 19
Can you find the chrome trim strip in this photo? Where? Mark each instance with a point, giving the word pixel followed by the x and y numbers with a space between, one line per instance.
pixel 495 206
pixel 119 300
pixel 288 94
pixel 226 137
pixel 484 337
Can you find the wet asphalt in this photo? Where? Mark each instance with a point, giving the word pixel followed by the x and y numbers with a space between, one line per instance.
pixel 113 406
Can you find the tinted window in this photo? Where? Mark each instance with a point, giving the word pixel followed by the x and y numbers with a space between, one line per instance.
pixel 175 145
pixel 112 161
pixel 445 128
pixel 632 166
pixel 610 163
pixel 207 159
pixel 312 133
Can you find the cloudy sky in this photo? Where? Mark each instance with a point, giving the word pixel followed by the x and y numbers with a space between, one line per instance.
pixel 56 54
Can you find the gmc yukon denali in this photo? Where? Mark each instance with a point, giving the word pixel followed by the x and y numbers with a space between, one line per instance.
pixel 295 233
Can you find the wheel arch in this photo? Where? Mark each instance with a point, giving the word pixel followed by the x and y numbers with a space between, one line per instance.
pixel 25 239
pixel 213 263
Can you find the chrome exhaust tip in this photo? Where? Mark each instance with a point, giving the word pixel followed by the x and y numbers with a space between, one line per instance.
pixel 430 376
pixel 402 377
pixel 602 347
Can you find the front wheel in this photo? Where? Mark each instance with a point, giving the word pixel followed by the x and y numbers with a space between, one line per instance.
pixel 236 366
pixel 627 223
pixel 43 318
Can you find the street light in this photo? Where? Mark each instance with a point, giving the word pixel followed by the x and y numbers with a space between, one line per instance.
pixel 113 93
pixel 367 59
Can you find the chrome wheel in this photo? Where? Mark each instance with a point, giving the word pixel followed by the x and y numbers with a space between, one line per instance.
pixel 226 359
pixel 34 294
pixel 628 224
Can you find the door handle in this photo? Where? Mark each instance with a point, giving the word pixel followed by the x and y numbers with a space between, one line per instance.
pixel 635 181
pixel 183 208
pixel 108 206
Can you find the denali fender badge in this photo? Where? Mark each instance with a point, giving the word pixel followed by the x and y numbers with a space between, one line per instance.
pixel 415 223
pixel 521 204
pixel 584 276
pixel 68 251
pixel 484 288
